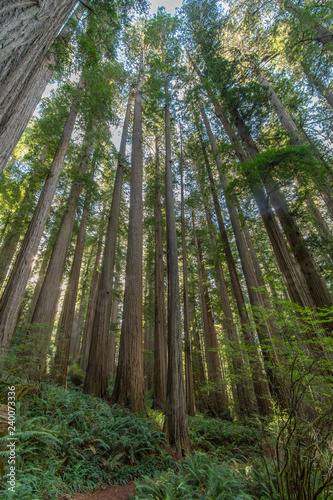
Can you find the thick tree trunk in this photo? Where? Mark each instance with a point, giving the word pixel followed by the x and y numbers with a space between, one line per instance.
pixel 20 222
pixel 218 395
pixel 11 299
pixel 113 332
pixel 47 303
pixel 260 386
pixel 91 308
pixel 65 326
pixel 190 409
pixel 316 286
pixel 129 384
pixel 160 334
pixel 198 370
pixel 175 424
pixel 15 120
pixel 148 342
pixel 287 266
pixel 28 31
pixel 96 381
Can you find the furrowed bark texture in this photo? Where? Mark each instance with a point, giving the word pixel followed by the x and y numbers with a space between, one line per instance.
pixel 20 222
pixel 65 326
pixel 160 334
pixel 190 408
pixel 27 30
pixel 91 308
pixel 14 124
pixel 175 424
pixel 218 395
pixel 198 370
pixel 97 373
pixel 11 299
pixel 46 307
pixel 129 384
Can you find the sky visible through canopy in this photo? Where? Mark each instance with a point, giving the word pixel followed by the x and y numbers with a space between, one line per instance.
pixel 169 5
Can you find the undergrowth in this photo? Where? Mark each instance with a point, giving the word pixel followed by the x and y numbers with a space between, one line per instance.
pixel 69 441
pixel 203 476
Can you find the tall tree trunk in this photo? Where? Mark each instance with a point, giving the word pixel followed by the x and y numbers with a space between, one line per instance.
pixel 96 381
pixel 190 409
pixel 91 308
pixel 160 334
pixel 287 266
pixel 19 224
pixel 75 344
pixel 260 385
pixel 74 348
pixel 65 326
pixel 316 287
pixel 11 299
pixel 47 303
pixel 14 122
pixel 295 283
pixel 148 342
pixel 113 331
pixel 198 370
pixel 175 424
pixel 129 384
pixel 218 395
pixel 28 31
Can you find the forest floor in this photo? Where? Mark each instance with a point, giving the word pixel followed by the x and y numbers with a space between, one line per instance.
pixel 116 492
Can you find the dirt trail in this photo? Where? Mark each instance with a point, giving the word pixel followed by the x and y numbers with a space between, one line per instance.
pixel 117 492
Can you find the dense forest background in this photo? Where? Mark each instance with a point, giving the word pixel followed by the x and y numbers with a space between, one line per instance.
pixel 166 260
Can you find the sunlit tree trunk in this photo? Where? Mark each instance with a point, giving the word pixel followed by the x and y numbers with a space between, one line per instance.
pixel 47 303
pixel 96 380
pixel 65 326
pixel 129 384
pixel 14 291
pixel 13 234
pixel 91 308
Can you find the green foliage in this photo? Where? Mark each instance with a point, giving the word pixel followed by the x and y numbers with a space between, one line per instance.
pixel 76 375
pixel 201 477
pixel 222 436
pixel 69 442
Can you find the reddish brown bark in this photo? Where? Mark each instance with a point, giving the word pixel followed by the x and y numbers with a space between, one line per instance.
pixel 190 408
pixel 129 384
pixel 160 335
pixel 14 291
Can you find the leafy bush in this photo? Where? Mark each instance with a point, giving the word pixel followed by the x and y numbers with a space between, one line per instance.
pixel 69 441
